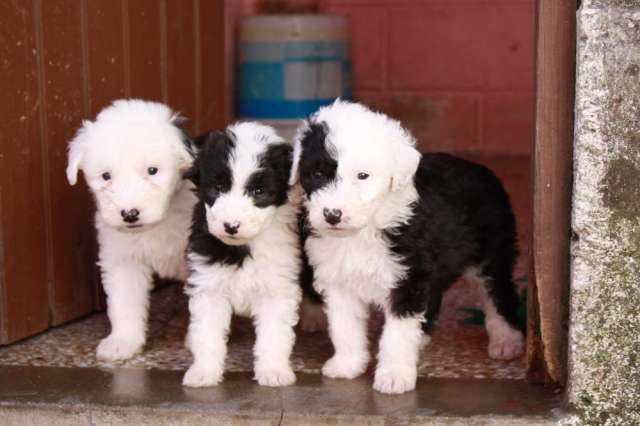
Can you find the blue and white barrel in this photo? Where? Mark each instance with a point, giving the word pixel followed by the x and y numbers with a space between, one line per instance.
pixel 290 65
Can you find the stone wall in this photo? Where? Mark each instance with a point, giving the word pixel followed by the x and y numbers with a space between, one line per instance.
pixel 605 294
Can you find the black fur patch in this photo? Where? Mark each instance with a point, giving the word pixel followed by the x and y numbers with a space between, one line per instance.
pixel 463 218
pixel 317 167
pixel 272 177
pixel 210 171
pixel 306 272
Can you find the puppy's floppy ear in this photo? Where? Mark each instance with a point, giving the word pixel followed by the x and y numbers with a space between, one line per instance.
pixel 185 151
pixel 308 131
pixel 194 147
pixel 204 143
pixel 192 173
pixel 197 143
pixel 406 160
pixel 77 151
pixel 279 156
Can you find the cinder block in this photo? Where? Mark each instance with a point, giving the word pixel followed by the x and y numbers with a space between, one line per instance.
pixel 462 46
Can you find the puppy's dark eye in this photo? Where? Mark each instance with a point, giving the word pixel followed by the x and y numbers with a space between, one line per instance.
pixel 257 191
pixel 318 174
pixel 152 170
pixel 106 176
pixel 363 175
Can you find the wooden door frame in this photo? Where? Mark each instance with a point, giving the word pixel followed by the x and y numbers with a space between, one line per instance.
pixel 548 294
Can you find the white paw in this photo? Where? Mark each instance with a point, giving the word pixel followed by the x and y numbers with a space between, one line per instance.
pixel 507 346
pixel 115 348
pixel 275 376
pixel 198 376
pixel 399 380
pixel 342 367
pixel 312 317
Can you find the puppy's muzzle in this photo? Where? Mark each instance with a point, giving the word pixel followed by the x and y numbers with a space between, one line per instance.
pixel 231 228
pixel 332 216
pixel 130 216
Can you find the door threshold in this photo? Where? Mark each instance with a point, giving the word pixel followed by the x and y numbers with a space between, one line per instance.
pixel 55 395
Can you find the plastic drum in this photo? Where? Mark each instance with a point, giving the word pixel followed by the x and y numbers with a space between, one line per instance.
pixel 290 65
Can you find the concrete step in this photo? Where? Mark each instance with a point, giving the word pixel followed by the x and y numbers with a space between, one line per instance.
pixel 91 396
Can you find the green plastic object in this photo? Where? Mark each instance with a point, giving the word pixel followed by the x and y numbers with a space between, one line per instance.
pixel 476 316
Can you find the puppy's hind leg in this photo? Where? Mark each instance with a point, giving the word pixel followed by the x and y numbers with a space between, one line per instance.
pixel 207 338
pixel 275 318
pixel 500 303
pixel 127 287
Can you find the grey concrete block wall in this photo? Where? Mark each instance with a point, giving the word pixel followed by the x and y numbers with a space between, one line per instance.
pixel 605 265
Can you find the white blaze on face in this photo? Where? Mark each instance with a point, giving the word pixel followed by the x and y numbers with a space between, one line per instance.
pixel 361 183
pixel 236 209
pixel 376 158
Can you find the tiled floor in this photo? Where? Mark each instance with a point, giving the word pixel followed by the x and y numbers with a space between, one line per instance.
pixel 456 351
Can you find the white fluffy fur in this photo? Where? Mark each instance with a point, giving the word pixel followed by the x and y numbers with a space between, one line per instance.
pixel 352 264
pixel 265 287
pixel 125 140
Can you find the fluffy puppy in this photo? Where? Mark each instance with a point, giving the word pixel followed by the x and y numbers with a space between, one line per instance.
pixel 133 157
pixel 243 252
pixel 391 227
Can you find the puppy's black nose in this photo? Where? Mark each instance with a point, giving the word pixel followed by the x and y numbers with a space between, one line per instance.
pixel 231 228
pixel 332 216
pixel 130 216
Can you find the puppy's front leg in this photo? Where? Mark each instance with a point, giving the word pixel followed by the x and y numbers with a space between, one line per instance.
pixel 400 346
pixel 127 287
pixel 347 317
pixel 275 319
pixel 207 338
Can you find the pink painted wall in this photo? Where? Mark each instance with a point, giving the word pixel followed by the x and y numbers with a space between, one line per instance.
pixel 457 73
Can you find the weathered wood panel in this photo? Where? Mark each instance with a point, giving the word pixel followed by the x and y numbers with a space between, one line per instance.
pixel 210 25
pixel 106 62
pixel 23 262
pixel 71 242
pixel 144 41
pixel 549 281
pixel 181 59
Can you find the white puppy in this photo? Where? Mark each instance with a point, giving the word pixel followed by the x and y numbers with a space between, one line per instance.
pixel 243 253
pixel 133 157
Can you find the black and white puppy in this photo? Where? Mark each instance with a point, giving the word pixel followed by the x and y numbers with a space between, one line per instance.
pixel 243 252
pixel 391 227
